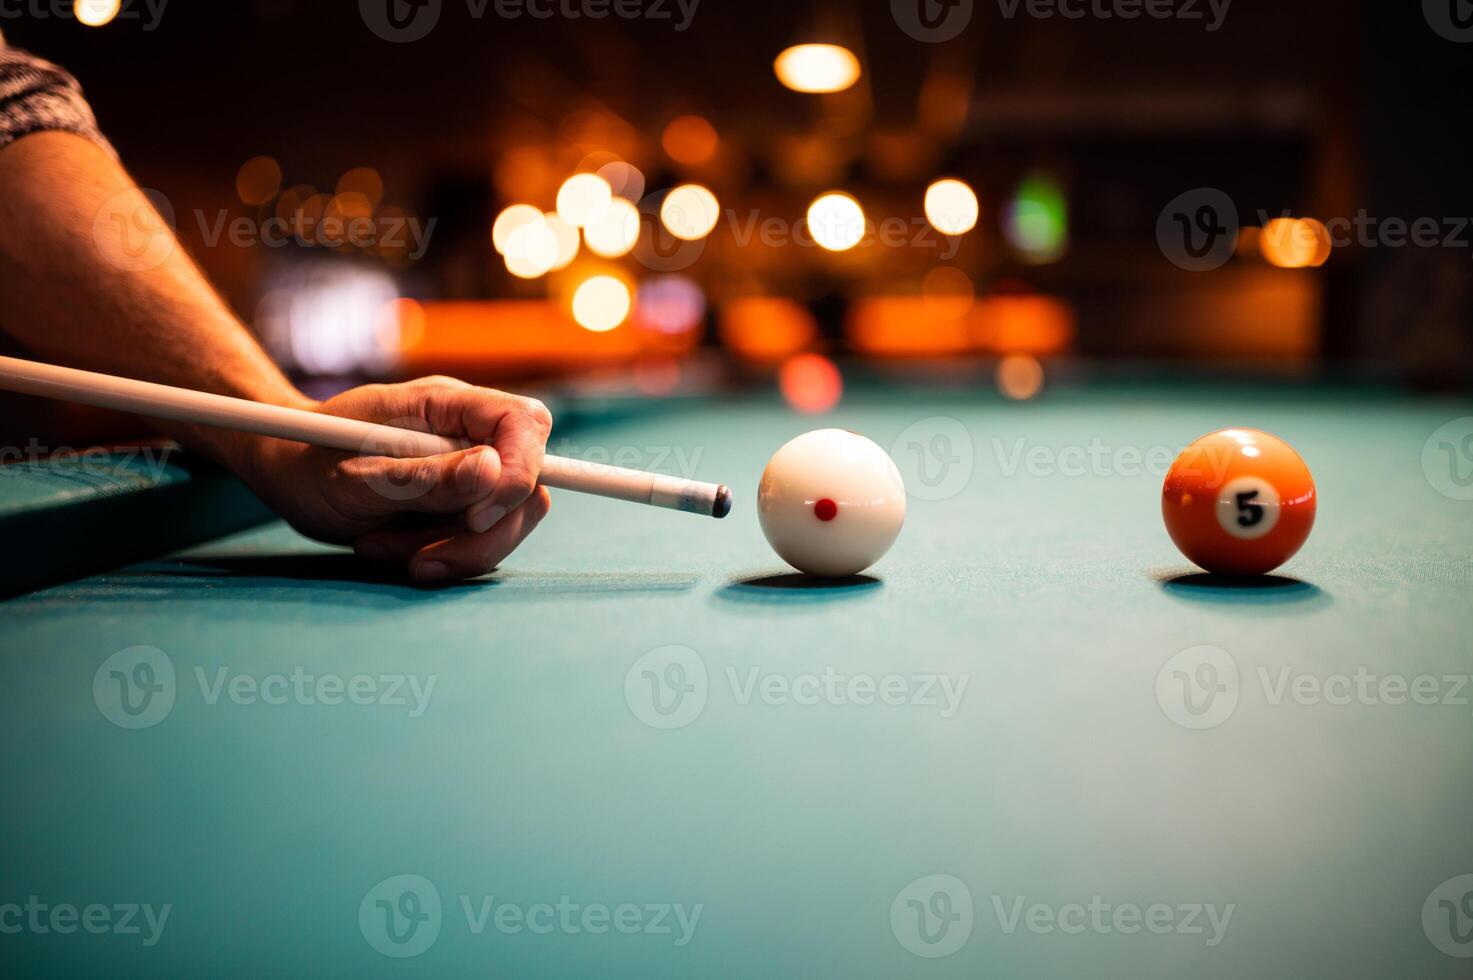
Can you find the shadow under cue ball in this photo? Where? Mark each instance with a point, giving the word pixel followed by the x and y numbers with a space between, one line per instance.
pixel 831 503
pixel 1238 502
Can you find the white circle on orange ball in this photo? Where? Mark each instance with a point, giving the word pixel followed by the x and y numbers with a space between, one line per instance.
pixel 831 503
pixel 1248 507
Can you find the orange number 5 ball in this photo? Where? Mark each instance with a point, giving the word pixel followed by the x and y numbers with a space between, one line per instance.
pixel 1238 502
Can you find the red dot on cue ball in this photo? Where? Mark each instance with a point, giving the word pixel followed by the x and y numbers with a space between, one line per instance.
pixel 825 510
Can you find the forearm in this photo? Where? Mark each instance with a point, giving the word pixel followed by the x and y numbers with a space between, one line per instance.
pixel 91 276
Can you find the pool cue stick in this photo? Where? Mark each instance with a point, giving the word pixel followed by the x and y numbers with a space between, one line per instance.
pixel 333 432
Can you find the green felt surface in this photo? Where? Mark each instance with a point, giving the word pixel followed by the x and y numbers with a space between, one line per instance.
pixel 533 772
pixel 73 513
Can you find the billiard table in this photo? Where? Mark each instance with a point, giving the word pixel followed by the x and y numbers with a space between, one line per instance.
pixel 1031 741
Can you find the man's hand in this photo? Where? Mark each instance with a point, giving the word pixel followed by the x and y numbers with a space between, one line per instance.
pixel 450 516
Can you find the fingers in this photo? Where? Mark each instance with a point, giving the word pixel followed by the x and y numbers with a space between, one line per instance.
pixel 372 486
pixel 468 555
pixel 447 551
pixel 515 427
pixel 520 438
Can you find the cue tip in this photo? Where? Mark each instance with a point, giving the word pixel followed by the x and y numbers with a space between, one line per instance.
pixel 722 506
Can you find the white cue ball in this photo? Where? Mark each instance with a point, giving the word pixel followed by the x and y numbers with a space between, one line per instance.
pixel 831 502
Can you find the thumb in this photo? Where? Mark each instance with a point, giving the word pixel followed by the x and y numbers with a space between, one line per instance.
pixel 444 484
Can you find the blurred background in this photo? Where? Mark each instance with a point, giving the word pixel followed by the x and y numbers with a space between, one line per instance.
pixel 662 196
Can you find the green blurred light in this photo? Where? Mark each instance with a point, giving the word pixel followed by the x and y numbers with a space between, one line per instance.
pixel 1036 222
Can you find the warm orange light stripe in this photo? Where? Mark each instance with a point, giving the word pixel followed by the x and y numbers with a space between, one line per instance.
pixel 766 328
pixel 906 326
pixel 524 333
pixel 910 326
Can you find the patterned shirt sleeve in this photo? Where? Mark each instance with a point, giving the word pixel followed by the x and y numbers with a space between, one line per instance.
pixel 36 95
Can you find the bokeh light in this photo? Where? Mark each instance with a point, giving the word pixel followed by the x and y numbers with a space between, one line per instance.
pixel 951 207
pixel 289 204
pixel 258 181
pixel 810 383
pixel 689 212
pixel 567 240
pixel 583 198
pixel 836 221
pixel 1036 222
pixel 614 232
pixel 531 250
pixel 327 317
pixel 401 325
pixel 689 140
pixel 349 205
pixel 765 329
pixel 96 13
pixel 1019 376
pixel 624 179
pixel 601 303
pixel 365 181
pixel 817 68
pixel 948 293
pixel 1295 243
pixel 670 304
pixel 509 221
